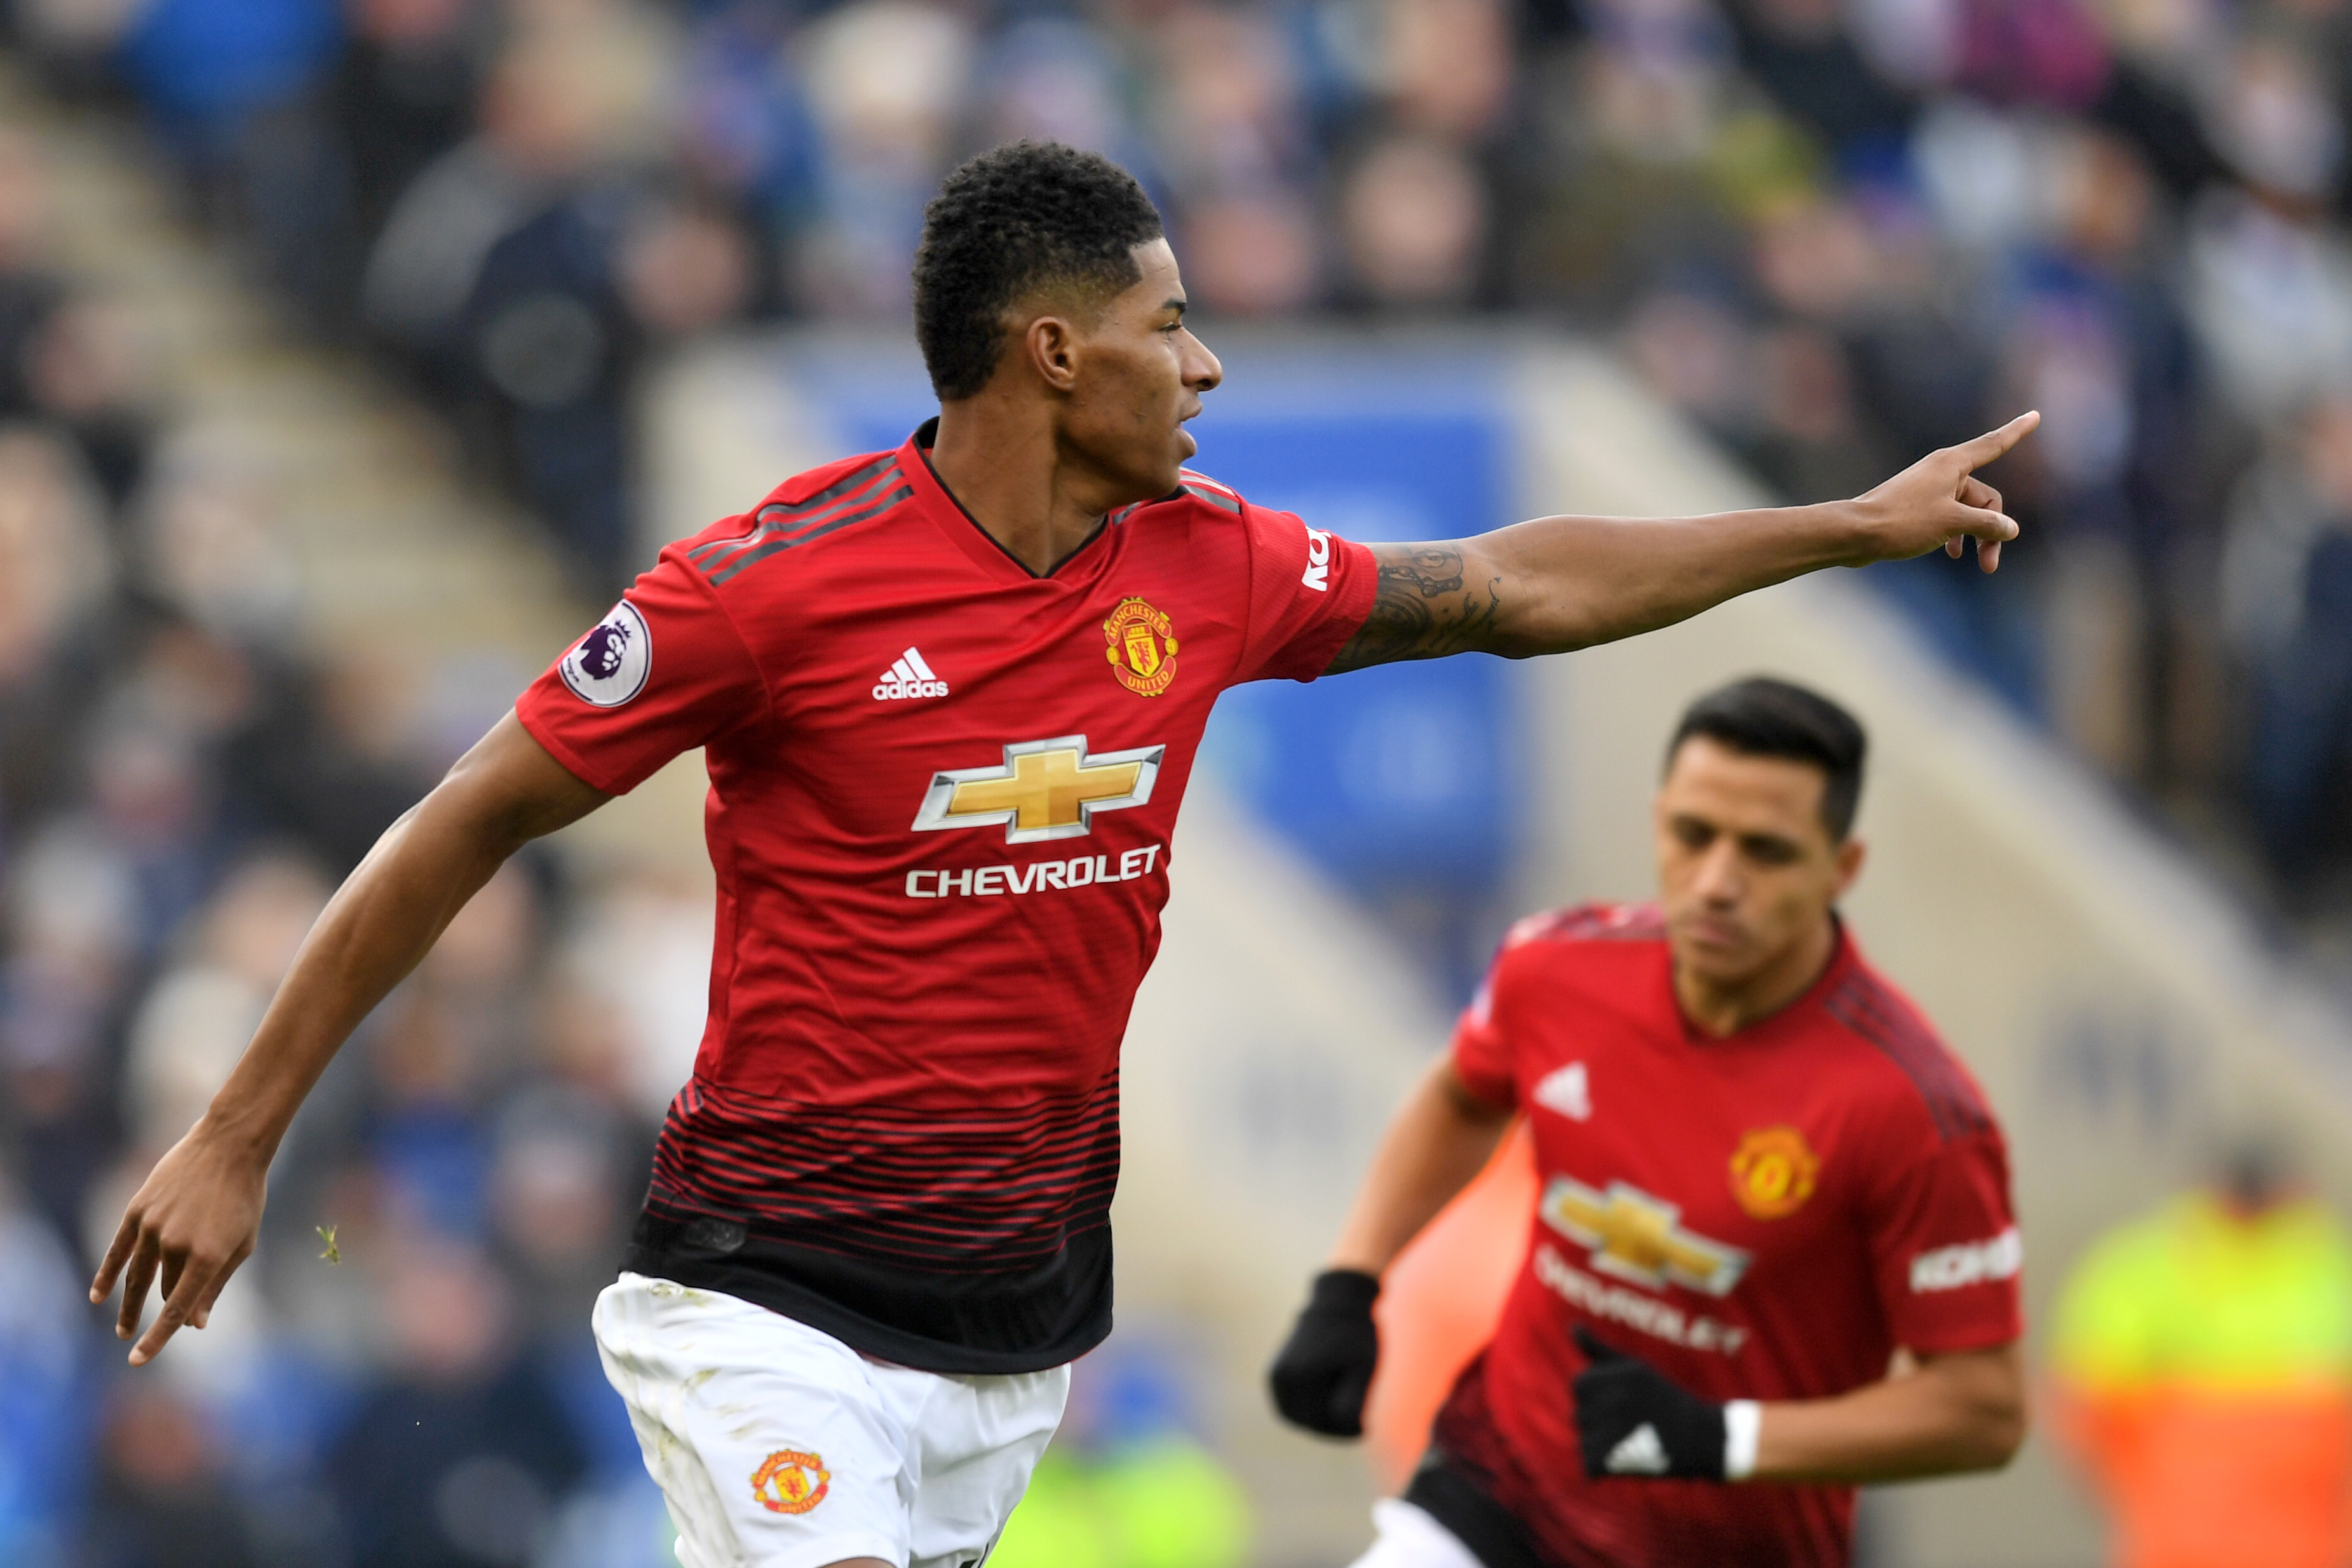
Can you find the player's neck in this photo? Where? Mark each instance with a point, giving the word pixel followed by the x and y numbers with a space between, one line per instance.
pixel 1719 1008
pixel 1005 468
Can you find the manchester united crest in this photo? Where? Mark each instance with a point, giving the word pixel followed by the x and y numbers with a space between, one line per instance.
pixel 1142 647
pixel 791 1481
pixel 1773 1171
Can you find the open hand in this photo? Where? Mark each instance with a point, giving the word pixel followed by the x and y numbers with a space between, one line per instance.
pixel 1938 500
pixel 194 1219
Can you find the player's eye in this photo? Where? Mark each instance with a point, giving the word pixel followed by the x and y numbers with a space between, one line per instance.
pixel 1691 834
pixel 1770 852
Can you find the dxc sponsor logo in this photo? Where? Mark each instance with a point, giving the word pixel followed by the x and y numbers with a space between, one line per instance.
pixel 1318 575
pixel 1969 1263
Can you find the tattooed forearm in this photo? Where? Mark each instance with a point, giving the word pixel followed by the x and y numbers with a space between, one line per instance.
pixel 1429 603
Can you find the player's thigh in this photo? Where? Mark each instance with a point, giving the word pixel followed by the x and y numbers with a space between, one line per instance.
pixel 975 1441
pixel 770 1440
pixel 1409 1538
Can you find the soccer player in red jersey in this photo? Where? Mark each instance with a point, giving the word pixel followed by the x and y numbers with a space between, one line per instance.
pixel 949 698
pixel 1763 1183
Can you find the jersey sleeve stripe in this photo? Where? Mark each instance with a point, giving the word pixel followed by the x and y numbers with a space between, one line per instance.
pixel 1865 1005
pixel 841 490
pixel 777 518
pixel 1215 497
pixel 776 546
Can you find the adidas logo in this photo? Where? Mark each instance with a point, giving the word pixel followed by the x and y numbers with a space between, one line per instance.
pixel 1640 1453
pixel 1568 1090
pixel 909 677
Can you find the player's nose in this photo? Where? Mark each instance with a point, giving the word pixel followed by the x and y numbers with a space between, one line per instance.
pixel 1718 874
pixel 1202 373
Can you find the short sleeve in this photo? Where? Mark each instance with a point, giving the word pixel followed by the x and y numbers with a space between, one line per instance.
pixel 664 672
pixel 1945 1248
pixel 1481 1050
pixel 1310 590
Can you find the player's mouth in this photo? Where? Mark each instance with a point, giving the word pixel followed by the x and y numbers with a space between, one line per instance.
pixel 1721 934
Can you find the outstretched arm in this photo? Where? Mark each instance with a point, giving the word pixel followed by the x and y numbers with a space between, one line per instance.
pixel 1563 583
pixel 199 1212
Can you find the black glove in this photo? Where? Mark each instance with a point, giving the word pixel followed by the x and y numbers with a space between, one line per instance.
pixel 1634 1420
pixel 1324 1370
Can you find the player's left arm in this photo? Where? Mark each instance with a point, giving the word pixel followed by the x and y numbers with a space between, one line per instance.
pixel 1937 1416
pixel 1934 1415
pixel 1558 583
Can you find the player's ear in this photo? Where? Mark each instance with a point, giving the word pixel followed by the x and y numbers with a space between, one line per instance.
pixel 1849 856
pixel 1051 344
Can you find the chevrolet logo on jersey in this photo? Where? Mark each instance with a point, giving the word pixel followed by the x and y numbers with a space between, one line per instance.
pixel 1046 789
pixel 1638 1237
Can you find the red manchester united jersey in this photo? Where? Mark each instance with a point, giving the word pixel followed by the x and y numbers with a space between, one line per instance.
pixel 941 795
pixel 1763 1216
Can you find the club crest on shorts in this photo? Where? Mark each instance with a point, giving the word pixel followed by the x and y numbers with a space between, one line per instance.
pixel 1142 647
pixel 1773 1171
pixel 790 1480
pixel 609 666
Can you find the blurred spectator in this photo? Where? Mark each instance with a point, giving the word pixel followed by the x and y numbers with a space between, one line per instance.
pixel 883 81
pixel 163 1499
pixel 2204 1364
pixel 541 133
pixel 459 1455
pixel 196 1019
pixel 1234 144
pixel 232 90
pixel 403 94
pixel 1414 216
pixel 2287 588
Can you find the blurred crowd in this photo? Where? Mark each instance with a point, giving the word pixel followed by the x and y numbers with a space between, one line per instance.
pixel 183 775
pixel 1836 232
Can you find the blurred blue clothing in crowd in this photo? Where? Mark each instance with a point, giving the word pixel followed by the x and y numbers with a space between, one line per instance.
pixel 207 63
pixel 45 1414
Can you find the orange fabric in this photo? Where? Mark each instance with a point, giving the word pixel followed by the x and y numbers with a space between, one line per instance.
pixel 2218 1480
pixel 1440 1300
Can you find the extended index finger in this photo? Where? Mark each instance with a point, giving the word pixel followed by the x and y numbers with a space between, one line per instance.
pixel 126 1237
pixel 1993 443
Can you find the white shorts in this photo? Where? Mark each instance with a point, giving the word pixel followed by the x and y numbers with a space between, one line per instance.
pixel 1410 1538
pixel 779 1446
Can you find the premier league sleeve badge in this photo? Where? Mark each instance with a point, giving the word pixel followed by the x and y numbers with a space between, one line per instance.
pixel 609 666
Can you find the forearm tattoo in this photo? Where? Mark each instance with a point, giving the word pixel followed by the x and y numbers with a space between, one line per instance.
pixel 1425 607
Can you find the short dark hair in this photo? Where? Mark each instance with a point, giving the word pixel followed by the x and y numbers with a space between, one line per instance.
pixel 1762 717
pixel 1021 216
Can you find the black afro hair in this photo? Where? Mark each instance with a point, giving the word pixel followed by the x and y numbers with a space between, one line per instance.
pixel 1023 215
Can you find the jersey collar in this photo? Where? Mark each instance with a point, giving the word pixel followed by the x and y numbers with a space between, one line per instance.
pixel 962 530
